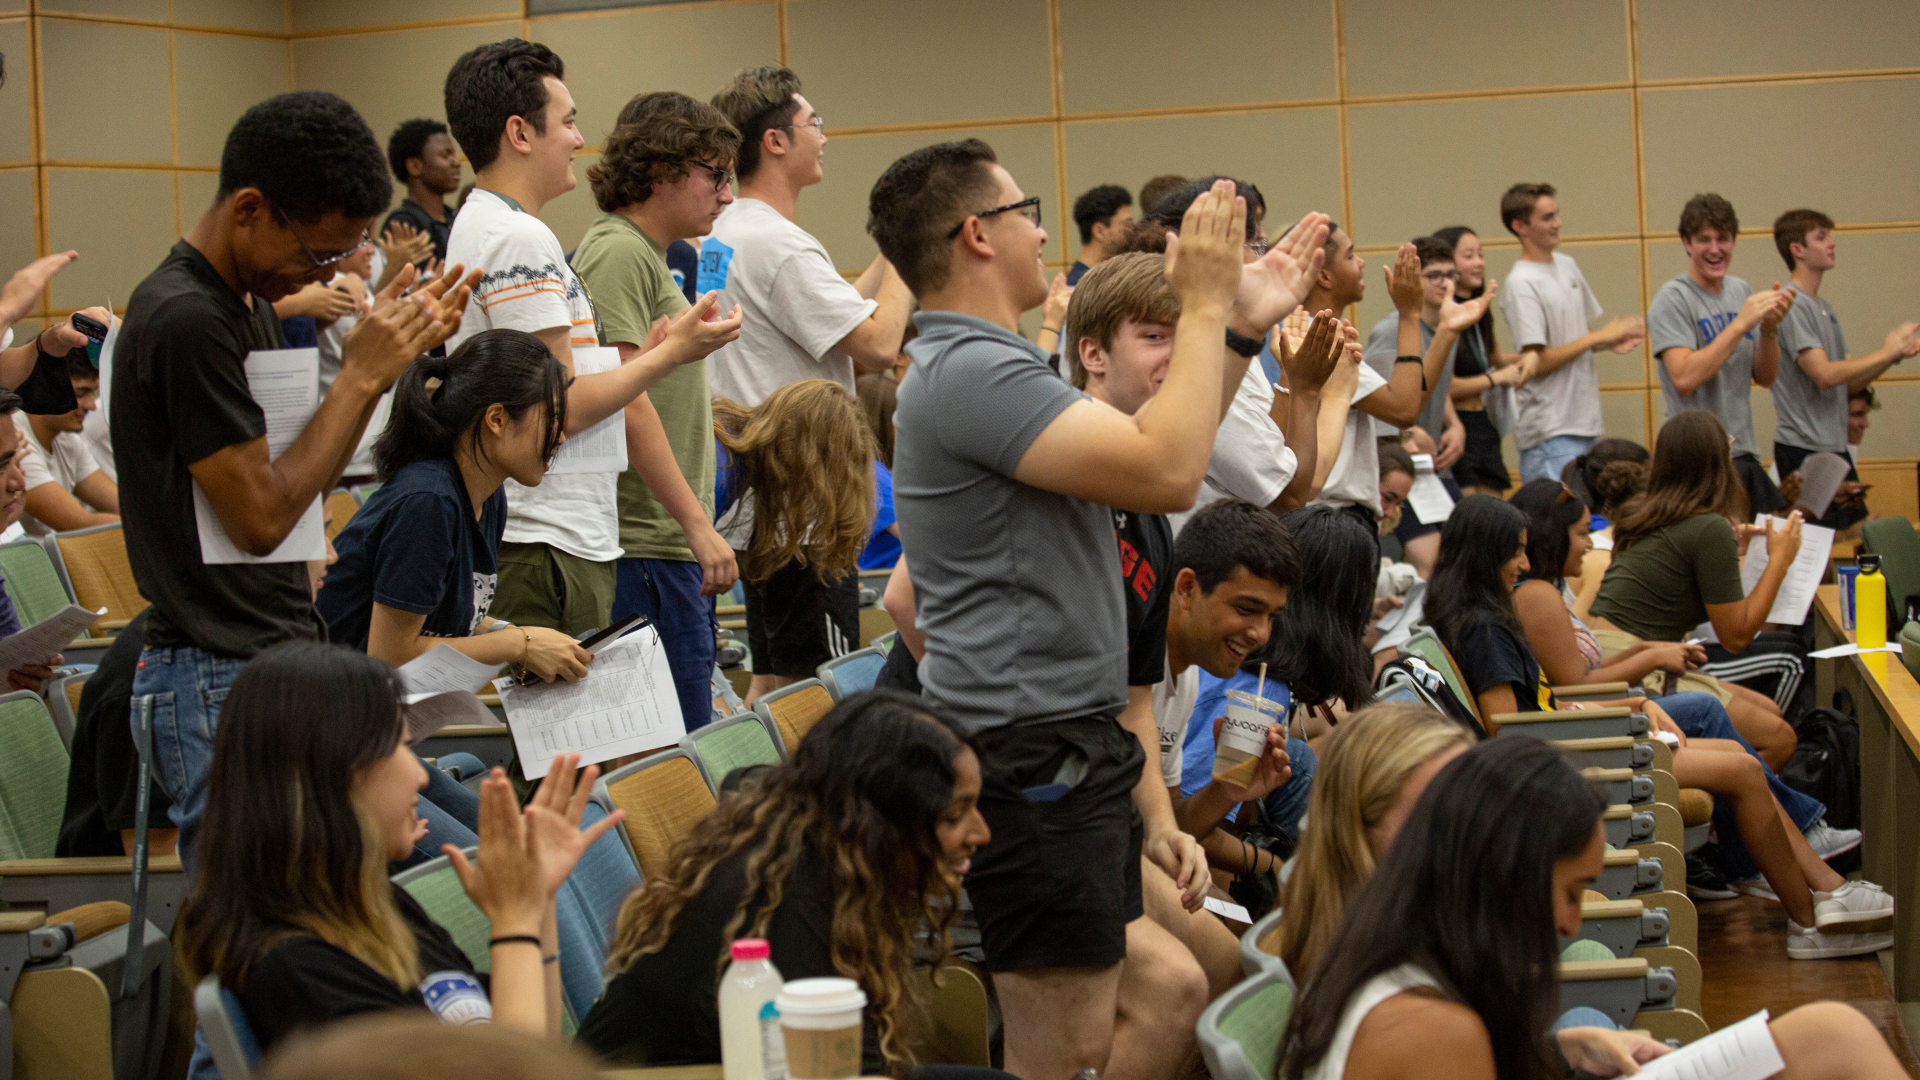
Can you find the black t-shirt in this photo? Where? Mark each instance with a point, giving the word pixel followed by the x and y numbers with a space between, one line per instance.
pixel 102 782
pixel 416 216
pixel 416 546
pixel 1490 652
pixel 1146 556
pixel 664 1010
pixel 305 982
pixel 179 396
pixel 48 389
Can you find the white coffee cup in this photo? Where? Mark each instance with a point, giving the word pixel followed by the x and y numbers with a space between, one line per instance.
pixel 821 1019
pixel 1243 736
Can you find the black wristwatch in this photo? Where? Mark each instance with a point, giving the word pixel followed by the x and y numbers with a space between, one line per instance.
pixel 1242 344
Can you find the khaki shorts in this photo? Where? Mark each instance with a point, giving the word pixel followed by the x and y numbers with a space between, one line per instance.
pixel 1614 642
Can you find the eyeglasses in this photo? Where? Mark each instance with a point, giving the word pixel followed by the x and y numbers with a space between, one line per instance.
pixel 1438 276
pixel 318 262
pixel 818 123
pixel 1258 247
pixel 1029 209
pixel 722 178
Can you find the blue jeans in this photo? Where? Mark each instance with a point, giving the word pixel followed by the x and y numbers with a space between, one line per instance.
pixel 668 592
pixel 1287 804
pixel 188 687
pixel 1702 716
pixel 452 814
pixel 1550 458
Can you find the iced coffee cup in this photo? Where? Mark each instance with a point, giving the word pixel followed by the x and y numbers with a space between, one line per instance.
pixel 821 1020
pixel 1243 736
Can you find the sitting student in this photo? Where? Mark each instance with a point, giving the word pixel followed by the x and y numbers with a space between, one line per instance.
pixel 13 499
pixel 419 561
pixel 1606 477
pixel 837 857
pixel 1377 763
pixel 1318 651
pixel 66 488
pixel 1446 966
pixel 1759 820
pixel 311 792
pixel 795 500
pixel 1676 564
pixel 396 1047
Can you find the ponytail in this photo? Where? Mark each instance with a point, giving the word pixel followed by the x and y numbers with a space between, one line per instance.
pixel 440 400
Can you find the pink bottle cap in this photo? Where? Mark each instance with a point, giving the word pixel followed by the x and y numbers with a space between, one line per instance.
pixel 752 948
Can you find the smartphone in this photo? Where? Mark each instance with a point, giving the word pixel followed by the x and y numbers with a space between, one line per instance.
pixel 620 626
pixel 96 332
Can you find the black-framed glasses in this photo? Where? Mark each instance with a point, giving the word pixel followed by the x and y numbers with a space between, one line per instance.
pixel 818 123
pixel 318 262
pixel 722 178
pixel 1438 276
pixel 1029 208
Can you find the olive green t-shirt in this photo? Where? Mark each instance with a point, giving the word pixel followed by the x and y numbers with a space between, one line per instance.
pixel 626 273
pixel 1660 587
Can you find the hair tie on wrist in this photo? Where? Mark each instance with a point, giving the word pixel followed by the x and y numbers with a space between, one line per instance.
pixel 514 939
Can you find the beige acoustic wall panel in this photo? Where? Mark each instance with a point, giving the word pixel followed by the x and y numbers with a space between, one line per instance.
pixel 870 62
pixel 1291 155
pixel 121 222
pixel 264 16
pixel 124 9
pixel 1872 289
pixel 16 100
pixel 613 57
pixel 1394 47
pixel 836 210
pixel 196 191
pixel 317 15
pixel 17 239
pixel 1692 39
pixel 1624 414
pixel 1420 166
pixel 1139 55
pixel 1845 148
pixel 217 77
pixel 89 118
pixel 570 214
pixel 1891 431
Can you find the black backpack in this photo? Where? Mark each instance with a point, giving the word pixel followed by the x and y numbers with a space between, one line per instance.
pixel 1826 764
pixel 1413 674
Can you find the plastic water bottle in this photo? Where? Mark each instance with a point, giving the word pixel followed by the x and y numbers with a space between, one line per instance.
pixel 1870 604
pixel 747 991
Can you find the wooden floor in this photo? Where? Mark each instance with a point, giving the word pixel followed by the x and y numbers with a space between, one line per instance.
pixel 1744 968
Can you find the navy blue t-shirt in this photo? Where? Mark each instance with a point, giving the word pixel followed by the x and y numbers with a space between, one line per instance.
pixel 416 546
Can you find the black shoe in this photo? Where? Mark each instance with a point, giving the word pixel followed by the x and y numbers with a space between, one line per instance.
pixel 1706 882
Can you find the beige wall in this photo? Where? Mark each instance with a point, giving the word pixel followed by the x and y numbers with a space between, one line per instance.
pixel 1396 118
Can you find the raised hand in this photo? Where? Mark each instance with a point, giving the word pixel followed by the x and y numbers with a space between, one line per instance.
pixel 401 327
pixel 507 884
pixel 1404 284
pixel 1782 303
pixel 1904 340
pixel 1783 543
pixel 699 330
pixel 1309 368
pixel 1053 312
pixel 553 819
pixel 1203 258
pixel 1459 317
pixel 23 289
pixel 1346 367
pixel 1276 283
pixel 61 338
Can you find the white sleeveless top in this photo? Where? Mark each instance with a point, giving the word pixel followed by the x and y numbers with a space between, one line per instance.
pixel 1377 989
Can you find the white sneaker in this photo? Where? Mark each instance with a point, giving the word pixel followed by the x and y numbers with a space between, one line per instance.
pixel 1754 886
pixel 1829 842
pixel 1851 904
pixel 1812 943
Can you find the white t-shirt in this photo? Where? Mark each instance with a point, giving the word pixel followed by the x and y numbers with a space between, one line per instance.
pixel 68 462
pixel 1251 459
pixel 797 307
pixel 1173 701
pixel 529 286
pixel 1355 479
pixel 1551 306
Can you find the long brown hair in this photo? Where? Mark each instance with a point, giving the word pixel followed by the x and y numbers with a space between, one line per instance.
pixel 806 455
pixel 1692 474
pixel 861 797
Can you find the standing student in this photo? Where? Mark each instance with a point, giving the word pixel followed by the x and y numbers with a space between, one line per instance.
pixel 662 179
pixel 300 180
pixel 1103 215
pixel 1817 375
pixel 423 157
pixel 515 119
pixel 1715 338
pixel 1483 376
pixel 803 321
pixel 66 488
pixel 1439 311
pixel 1156 189
pixel 1548 305
pixel 1004 482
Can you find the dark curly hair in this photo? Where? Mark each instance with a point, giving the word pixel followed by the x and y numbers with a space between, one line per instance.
pixel 920 198
pixel 657 138
pixel 275 146
pixel 409 140
pixel 492 84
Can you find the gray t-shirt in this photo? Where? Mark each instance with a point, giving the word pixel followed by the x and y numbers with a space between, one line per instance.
pixel 1551 305
pixel 1383 348
pixel 1017 589
pixel 1808 417
pixel 1685 315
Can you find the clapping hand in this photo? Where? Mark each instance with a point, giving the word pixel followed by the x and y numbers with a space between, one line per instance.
pixel 700 329
pixel 1904 340
pixel 401 327
pixel 402 243
pixel 1277 282
pixel 1203 258
pixel 1404 283
pixel 553 819
pixel 507 883
pixel 1460 317
pixel 1308 368
pixel 1623 335
pixel 1053 312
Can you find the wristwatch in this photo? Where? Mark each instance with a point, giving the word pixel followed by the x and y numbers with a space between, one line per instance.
pixel 1242 344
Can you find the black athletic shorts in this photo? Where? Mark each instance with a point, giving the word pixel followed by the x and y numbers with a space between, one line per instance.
pixel 1059 881
pixel 1481 465
pixel 795 624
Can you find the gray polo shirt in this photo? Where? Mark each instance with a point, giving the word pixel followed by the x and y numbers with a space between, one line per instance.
pixel 1687 316
pixel 1808 417
pixel 1017 589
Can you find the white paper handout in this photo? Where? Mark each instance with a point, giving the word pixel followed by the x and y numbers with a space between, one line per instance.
pixel 1850 649
pixel 1790 604
pixel 285 383
pixel 602 447
pixel 1429 496
pixel 37 643
pixel 1744 1051
pixel 1820 480
pixel 625 704
pixel 1396 626
pixel 1228 910
pixel 440 686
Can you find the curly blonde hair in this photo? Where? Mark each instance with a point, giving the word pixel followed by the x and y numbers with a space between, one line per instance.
pixel 806 455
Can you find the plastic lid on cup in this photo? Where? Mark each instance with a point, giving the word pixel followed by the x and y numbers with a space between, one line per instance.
pixel 803 997
pixel 752 948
